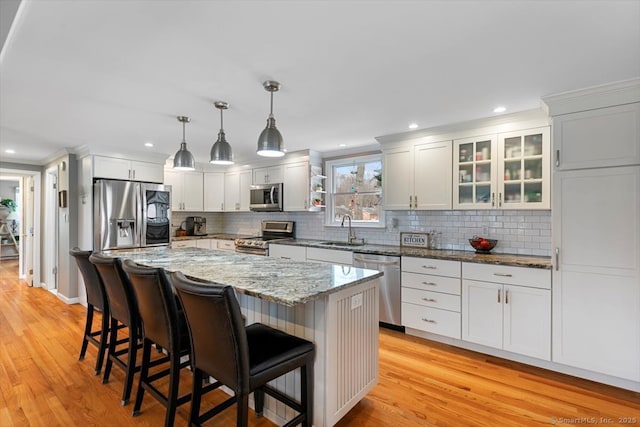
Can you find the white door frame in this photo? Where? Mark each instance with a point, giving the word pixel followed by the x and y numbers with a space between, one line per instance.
pixel 51 226
pixel 30 253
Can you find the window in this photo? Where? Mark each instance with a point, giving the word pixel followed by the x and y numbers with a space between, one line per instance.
pixel 355 188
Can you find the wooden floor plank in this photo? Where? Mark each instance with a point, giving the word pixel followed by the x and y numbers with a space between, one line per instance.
pixel 422 383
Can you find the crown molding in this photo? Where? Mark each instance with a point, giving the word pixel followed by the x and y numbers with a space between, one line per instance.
pixel 605 95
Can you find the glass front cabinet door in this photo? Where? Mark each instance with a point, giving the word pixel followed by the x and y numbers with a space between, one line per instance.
pixel 474 168
pixel 503 171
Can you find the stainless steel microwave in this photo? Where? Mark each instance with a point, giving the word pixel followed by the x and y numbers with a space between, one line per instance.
pixel 266 198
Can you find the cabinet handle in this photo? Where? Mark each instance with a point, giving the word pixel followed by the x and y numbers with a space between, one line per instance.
pixel 428 320
pixel 493 200
pixel 129 174
pixel 415 201
pixel 499 295
pixel 429 283
pixel 285 257
pixel 506 296
pixel 429 267
pixel 134 174
pixel 557 158
pixel 410 202
pixel 503 274
pixel 499 200
pixel 557 259
pixel 429 299
pixel 221 206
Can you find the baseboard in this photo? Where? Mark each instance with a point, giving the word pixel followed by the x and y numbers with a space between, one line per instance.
pixel 67 300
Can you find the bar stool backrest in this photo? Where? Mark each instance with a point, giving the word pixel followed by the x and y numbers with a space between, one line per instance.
pixel 218 338
pixel 156 304
pixel 92 282
pixel 122 302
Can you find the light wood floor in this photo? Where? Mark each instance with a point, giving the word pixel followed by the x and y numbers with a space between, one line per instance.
pixel 422 383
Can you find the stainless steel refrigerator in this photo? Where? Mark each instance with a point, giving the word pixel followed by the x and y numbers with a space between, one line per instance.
pixel 129 214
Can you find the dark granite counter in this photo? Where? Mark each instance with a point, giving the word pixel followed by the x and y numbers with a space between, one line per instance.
pixel 454 255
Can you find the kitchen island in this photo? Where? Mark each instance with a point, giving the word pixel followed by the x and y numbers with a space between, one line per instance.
pixel 334 306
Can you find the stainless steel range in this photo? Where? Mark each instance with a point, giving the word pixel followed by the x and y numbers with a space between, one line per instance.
pixel 271 231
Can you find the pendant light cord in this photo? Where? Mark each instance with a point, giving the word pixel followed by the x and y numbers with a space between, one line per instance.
pixel 221 126
pixel 271 112
pixel 183 138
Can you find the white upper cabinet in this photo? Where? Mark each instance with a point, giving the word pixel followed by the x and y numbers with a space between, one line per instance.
pixel 115 168
pixel 597 138
pixel 236 191
pixel 186 190
pixel 503 171
pixel 296 187
pixel 214 191
pixel 268 175
pixel 417 176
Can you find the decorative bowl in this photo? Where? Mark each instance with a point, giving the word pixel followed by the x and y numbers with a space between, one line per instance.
pixel 482 245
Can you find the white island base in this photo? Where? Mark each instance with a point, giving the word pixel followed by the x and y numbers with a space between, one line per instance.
pixel 344 327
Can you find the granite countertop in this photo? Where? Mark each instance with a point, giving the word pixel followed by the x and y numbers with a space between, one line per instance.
pixel 284 282
pixel 220 236
pixel 454 255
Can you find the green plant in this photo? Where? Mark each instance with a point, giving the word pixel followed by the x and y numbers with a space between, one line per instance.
pixel 9 203
pixel 378 177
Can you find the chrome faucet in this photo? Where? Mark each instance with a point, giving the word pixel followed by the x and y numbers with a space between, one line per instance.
pixel 351 237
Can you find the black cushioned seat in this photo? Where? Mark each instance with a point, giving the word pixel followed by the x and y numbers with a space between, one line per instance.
pixel 242 358
pixel 96 300
pixel 123 311
pixel 163 324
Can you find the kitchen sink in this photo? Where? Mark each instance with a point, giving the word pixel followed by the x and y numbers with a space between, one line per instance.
pixel 341 244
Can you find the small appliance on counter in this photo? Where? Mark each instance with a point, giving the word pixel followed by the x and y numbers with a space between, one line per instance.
pixel 196 226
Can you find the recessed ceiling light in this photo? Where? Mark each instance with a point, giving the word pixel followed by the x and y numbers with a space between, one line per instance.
pixel 148 144
pixel 499 109
pixel 10 151
pixel 342 145
pixel 413 126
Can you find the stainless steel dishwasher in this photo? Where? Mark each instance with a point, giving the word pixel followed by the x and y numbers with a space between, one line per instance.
pixel 389 286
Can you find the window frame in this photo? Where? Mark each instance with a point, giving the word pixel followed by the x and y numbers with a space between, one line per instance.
pixel 329 166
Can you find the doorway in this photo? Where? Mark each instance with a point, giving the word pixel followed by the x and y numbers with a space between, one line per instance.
pixel 28 221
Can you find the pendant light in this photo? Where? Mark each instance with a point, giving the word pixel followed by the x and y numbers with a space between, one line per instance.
pixel 183 160
pixel 270 143
pixel 221 153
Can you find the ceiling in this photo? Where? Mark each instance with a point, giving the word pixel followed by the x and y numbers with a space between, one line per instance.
pixel 112 75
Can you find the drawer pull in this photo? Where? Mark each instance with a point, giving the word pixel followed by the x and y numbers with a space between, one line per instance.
pixel 506 297
pixel 285 257
pixel 430 267
pixel 498 295
pixel 503 274
pixel 429 299
pixel 428 320
pixel 429 283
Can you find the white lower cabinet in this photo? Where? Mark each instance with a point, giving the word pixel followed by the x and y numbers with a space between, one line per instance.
pixel 223 245
pixel 330 256
pixel 431 302
pixel 183 244
pixel 502 314
pixel 294 253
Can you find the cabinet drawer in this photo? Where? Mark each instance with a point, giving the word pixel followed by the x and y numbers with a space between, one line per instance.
pixel 429 282
pixel 522 276
pixel 439 267
pixel 226 245
pixel 431 299
pixel 330 256
pixel 183 244
pixel 441 322
pixel 295 253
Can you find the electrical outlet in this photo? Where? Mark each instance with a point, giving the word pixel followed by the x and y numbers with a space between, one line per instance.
pixel 356 301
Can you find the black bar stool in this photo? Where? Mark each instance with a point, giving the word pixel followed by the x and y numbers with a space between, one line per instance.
pixel 242 358
pixel 96 300
pixel 163 324
pixel 123 310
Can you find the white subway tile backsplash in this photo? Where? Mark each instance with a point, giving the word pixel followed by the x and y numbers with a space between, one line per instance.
pixel 521 232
